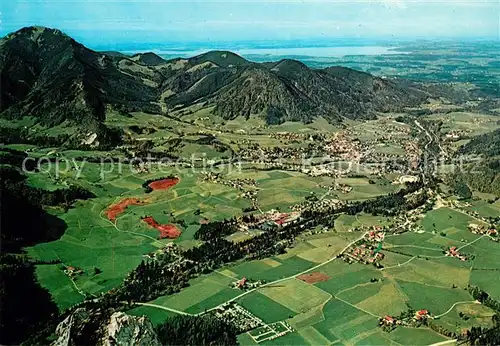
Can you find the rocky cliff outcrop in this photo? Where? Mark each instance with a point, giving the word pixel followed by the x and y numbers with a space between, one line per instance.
pixel 100 328
pixel 124 329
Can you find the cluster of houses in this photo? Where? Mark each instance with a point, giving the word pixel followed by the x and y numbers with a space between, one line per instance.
pixel 391 322
pixel 248 187
pixel 455 135
pixel 453 252
pixel 364 253
pixel 240 184
pixel 376 235
pixel 343 146
pixel 482 229
pixel 413 153
pixel 343 188
pixel 290 136
pixel 73 271
pixel 325 170
pixel 257 153
pixel 269 220
pixel 172 251
pixel 318 205
pixel 246 284
pixel 367 250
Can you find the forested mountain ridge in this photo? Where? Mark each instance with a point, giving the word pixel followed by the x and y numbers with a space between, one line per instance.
pixel 48 75
pixel 487 144
pixel 484 174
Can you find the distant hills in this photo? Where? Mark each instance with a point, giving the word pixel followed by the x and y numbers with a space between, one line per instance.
pixel 48 75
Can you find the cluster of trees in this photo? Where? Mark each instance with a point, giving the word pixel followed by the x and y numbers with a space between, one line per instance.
pixel 480 335
pixel 15 182
pixel 24 221
pixel 23 136
pixel 441 330
pixel 487 144
pixel 218 229
pixel 485 336
pixel 194 330
pixel 482 176
pixel 155 278
pixel 108 138
pixel 484 298
pixel 462 190
pixel 25 305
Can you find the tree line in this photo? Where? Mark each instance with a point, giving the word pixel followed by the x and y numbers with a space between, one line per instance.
pixel 194 330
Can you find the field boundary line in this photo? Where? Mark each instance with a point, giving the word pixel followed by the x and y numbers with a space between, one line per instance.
pixel 356 307
pixel 454 305
pixel 164 308
pixel 446 342
pixel 400 264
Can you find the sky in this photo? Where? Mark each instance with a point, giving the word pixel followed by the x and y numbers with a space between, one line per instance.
pixel 101 22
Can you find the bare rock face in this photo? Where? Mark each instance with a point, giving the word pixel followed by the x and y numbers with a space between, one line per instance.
pixel 127 330
pixel 70 327
pixel 93 328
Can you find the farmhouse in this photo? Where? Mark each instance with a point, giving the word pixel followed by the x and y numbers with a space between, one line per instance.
pixel 421 315
pixel 475 228
pixel 453 252
pixel 375 236
pixel 244 283
pixel 388 320
pixel 72 271
pixel 492 232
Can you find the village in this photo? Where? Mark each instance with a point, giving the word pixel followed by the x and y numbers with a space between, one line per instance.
pixel 366 250
pixel 321 151
pixel 454 252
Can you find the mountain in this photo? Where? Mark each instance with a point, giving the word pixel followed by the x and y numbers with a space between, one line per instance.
pixel 48 75
pixel 289 90
pixel 220 58
pixel 103 328
pixel 148 59
pixel 51 77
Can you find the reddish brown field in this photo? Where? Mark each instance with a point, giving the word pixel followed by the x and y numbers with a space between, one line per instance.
pixel 312 278
pixel 163 184
pixel 166 231
pixel 116 209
